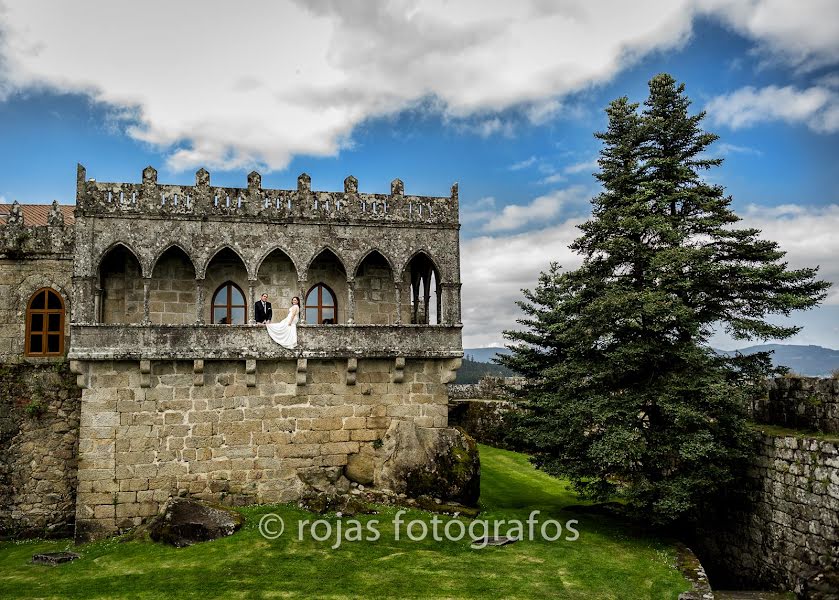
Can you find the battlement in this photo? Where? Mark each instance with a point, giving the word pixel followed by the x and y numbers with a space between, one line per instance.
pixel 35 230
pixel 203 201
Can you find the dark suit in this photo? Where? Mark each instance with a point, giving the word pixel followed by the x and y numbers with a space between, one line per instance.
pixel 262 314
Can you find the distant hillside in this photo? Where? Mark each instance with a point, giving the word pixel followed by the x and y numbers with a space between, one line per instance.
pixel 813 361
pixel 483 355
pixel 471 371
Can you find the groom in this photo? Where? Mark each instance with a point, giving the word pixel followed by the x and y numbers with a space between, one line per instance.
pixel 263 311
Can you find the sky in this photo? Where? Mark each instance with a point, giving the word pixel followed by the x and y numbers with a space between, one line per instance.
pixel 502 97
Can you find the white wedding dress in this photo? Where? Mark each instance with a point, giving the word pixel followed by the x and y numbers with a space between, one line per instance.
pixel 285 332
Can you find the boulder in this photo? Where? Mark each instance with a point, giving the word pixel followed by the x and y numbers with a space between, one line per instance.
pixel 439 462
pixel 346 504
pixel 328 480
pixel 361 465
pixel 184 522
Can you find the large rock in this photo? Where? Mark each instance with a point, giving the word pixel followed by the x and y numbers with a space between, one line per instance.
pixel 183 522
pixel 418 461
pixel 327 480
pixel 361 466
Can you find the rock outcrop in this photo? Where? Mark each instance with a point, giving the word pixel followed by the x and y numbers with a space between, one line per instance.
pixel 438 462
pixel 184 522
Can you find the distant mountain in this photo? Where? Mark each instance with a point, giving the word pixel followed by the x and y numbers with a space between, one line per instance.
pixel 472 371
pixel 813 361
pixel 483 355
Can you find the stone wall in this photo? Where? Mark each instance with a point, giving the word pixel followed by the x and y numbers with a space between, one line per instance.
pixel 39 426
pixel 19 279
pixel 785 532
pixel 235 431
pixel 485 420
pixel 809 403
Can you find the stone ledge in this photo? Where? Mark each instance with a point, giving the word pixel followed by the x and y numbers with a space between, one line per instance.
pixel 220 342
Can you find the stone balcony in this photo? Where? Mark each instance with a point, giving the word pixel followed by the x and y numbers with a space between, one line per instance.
pixel 220 342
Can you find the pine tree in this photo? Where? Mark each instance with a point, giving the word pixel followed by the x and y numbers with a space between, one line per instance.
pixel 627 399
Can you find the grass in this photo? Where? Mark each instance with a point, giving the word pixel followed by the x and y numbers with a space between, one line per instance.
pixel 609 560
pixel 779 431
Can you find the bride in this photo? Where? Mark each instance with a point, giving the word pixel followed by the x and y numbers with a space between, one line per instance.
pixel 285 332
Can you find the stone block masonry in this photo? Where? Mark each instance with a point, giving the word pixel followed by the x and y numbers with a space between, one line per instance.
pixel 235 433
pixel 39 427
pixel 810 403
pixel 786 534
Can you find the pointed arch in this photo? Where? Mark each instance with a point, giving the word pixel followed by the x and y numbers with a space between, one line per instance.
pixel 219 250
pixel 325 251
pixel 326 267
pixel 121 279
pixel 420 252
pixel 374 290
pixel 113 247
pixel 420 271
pixel 170 246
pixel 172 292
pixel 367 254
pixel 264 256
pixel 277 275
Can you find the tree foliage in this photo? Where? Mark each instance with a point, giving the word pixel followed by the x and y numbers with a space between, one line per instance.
pixel 627 399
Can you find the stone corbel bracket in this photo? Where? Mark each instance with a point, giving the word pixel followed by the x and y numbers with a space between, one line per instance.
pixel 82 372
pixel 450 368
pixel 145 373
pixel 352 367
pixel 302 366
pixel 399 370
pixel 250 372
pixel 198 372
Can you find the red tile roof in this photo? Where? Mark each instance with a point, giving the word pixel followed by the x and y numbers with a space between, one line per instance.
pixel 37 214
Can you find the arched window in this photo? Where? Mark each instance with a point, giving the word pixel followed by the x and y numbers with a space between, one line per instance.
pixel 229 305
pixel 45 324
pixel 321 305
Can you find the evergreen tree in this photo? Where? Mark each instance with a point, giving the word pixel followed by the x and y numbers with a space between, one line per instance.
pixel 626 398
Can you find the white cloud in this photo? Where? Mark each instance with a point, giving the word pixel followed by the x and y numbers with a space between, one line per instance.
pixel 523 164
pixel 541 209
pixel 495 268
pixel 807 234
pixel 552 178
pixel 230 87
pixel 586 165
pixel 803 34
pixel 817 107
pixel 213 84
pixel 725 149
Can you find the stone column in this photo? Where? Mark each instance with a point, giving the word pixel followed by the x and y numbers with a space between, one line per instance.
pixel 439 294
pixel 199 301
pixel 397 290
pixel 301 285
pixel 146 284
pixel 350 302
pixel 97 305
pixel 451 302
pixel 426 290
pixel 249 317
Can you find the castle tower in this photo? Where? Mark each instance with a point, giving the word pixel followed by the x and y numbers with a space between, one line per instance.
pixel 184 395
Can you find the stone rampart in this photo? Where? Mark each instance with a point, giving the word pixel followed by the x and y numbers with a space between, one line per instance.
pixel 237 432
pixel 39 428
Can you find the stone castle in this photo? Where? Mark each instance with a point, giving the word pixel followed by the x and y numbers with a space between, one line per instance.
pixel 149 289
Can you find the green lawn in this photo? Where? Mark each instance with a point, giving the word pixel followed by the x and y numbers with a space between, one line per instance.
pixel 607 561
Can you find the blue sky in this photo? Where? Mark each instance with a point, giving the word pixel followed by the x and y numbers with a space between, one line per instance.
pixel 502 99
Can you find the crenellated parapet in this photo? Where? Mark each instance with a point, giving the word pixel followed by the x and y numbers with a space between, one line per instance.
pixel 18 239
pixel 203 201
